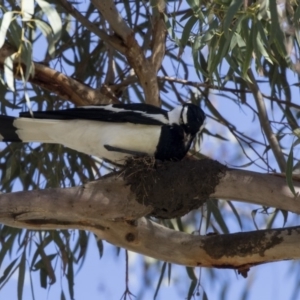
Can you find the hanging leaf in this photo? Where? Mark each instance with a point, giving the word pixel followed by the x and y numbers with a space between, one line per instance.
pixel 9 71
pixel 6 20
pixel 53 17
pixel 27 7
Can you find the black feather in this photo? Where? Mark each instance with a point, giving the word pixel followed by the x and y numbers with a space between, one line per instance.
pixel 133 113
pixel 171 145
pixel 7 129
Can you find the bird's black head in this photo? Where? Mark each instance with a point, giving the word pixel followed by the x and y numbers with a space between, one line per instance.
pixel 192 118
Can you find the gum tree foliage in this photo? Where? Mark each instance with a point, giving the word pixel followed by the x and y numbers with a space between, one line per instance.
pixel 239 60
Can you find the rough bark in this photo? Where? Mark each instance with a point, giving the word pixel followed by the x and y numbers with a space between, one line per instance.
pixel 145 69
pixel 108 208
pixel 63 86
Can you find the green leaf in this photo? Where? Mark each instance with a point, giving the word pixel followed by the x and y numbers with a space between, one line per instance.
pixel 6 20
pixel 191 273
pixel 222 46
pixel 70 277
pixel 208 214
pixel 194 4
pixel 43 278
pixel 270 222
pixel 170 29
pixel 187 30
pixel 215 57
pixel 296 132
pixel 253 214
pixel 236 214
pixel 289 172
pixel 230 14
pixel 27 59
pixel 285 215
pixel 47 32
pixel 249 50
pixel 15 33
pixel 191 290
pixel 27 9
pixel 296 143
pixel 204 296
pixel 169 272
pixel 44 261
pixel 21 277
pixel 62 296
pixel 31 286
pixel 83 243
pixel 218 216
pixel 162 272
pixel 100 247
pixel 179 224
pixel 276 33
pixel 187 15
pixel 261 42
pixel 9 71
pixel 10 235
pixel 53 17
pixel 7 272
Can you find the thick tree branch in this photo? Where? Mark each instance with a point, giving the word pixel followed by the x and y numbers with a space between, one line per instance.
pixel 235 251
pixel 110 13
pixel 158 46
pixel 269 190
pixel 144 68
pixel 65 87
pixel 109 208
pixel 158 34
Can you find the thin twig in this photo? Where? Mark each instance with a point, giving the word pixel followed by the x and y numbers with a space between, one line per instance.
pixel 220 88
pixel 111 40
pixel 265 123
pixel 65 87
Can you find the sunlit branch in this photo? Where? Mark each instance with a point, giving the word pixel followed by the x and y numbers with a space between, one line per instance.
pixel 65 87
pixel 144 68
pixel 107 208
pixel 158 34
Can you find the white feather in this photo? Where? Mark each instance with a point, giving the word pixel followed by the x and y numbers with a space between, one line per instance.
pixel 90 136
pixel 174 115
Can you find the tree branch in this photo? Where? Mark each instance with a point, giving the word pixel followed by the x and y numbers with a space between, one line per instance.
pixel 111 40
pixel 143 67
pixel 158 35
pixel 108 208
pixel 264 121
pixel 65 87
pixel 112 16
pixel 269 190
pixel 222 88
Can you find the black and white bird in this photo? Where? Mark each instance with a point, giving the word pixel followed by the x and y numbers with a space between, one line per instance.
pixel 111 132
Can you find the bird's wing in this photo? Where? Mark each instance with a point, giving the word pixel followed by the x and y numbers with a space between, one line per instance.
pixel 118 113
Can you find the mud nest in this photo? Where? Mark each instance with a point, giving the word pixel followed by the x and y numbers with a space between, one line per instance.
pixel 172 188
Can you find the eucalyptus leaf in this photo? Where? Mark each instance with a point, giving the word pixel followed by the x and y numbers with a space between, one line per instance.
pixel 5 24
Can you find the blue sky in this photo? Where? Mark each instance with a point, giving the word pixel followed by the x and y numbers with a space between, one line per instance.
pixel 105 278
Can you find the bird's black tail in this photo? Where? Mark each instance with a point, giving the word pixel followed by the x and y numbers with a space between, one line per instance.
pixel 8 130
